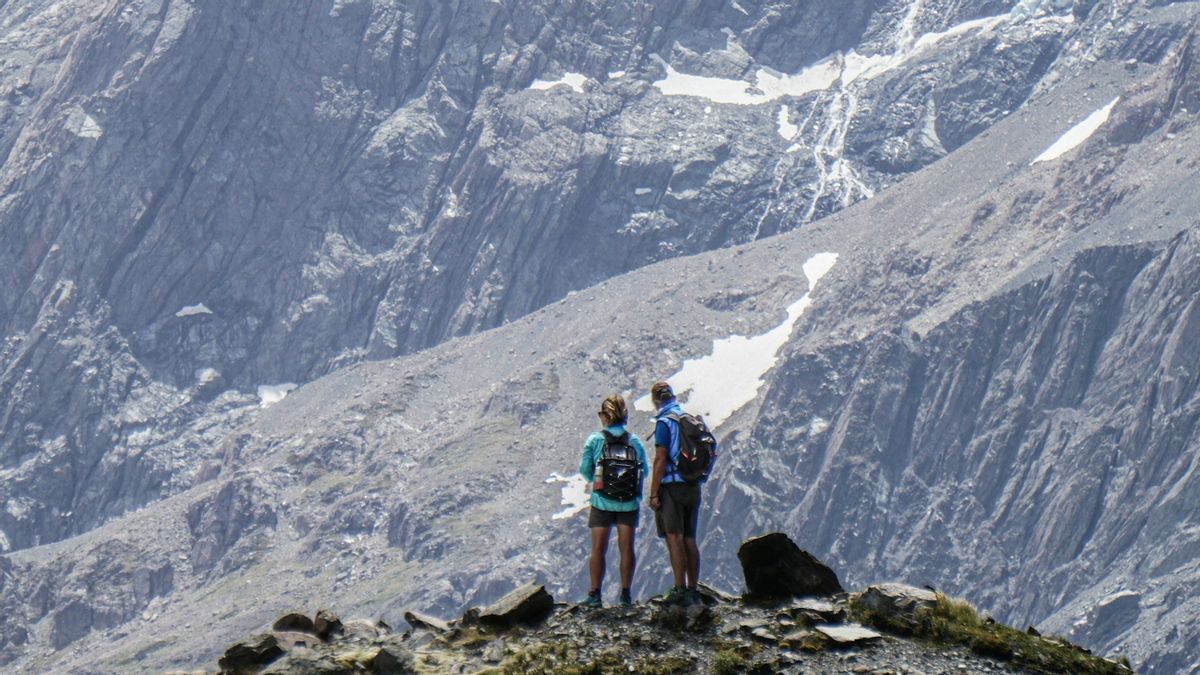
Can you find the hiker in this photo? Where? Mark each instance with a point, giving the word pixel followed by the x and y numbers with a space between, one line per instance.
pixel 675 486
pixel 614 462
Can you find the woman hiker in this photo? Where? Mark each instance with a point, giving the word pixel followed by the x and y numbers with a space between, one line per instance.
pixel 614 461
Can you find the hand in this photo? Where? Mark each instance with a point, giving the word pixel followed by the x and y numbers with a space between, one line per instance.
pixel 655 502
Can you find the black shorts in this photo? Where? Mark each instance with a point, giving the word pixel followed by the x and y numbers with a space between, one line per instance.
pixel 602 518
pixel 678 510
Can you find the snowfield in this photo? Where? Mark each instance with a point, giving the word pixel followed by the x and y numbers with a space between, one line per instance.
pixel 717 385
pixel 1077 134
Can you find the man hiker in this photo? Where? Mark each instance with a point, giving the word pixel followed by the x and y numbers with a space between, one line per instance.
pixel 683 454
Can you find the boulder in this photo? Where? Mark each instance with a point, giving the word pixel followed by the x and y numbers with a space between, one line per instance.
pixel 528 604
pixel 392 660
pixel 775 567
pixel 896 602
pixel 327 624
pixel 294 621
pixel 251 655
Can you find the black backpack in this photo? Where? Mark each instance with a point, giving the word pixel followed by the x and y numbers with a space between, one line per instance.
pixel 697 446
pixel 621 469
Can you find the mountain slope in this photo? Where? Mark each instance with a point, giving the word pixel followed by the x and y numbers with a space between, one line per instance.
pixel 992 392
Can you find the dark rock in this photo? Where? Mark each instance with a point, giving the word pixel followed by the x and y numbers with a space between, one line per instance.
pixel 327 624
pixel 775 567
pixel 692 617
pixel 1030 630
pixel 251 655
pixel 391 659
pixel 528 604
pixel 294 621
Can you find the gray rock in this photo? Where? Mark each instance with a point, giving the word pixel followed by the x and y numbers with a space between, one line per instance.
pixel 251 655
pixel 896 602
pixel 419 620
pixel 773 566
pixel 326 624
pixel 527 604
pixel 851 634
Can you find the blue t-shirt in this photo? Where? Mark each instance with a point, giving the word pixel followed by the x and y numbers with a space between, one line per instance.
pixel 666 434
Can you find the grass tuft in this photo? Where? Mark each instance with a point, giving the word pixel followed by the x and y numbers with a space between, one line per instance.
pixel 728 662
pixel 955 621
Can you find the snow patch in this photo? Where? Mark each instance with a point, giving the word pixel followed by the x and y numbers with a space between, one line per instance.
pixel 786 128
pixel 206 375
pixel 642 191
pixel 574 494
pixel 818 425
pixel 616 74
pixel 83 125
pixel 4 543
pixel 844 68
pixel 270 394
pixel 770 84
pixel 719 384
pixel 1077 134
pixel 739 8
pixel 572 80
pixel 193 310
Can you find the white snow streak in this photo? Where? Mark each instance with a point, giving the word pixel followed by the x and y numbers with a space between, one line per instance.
pixel 719 384
pixel 574 494
pixel 90 128
pixel 616 74
pixel 270 394
pixel 1077 134
pixel 4 544
pixel 193 310
pixel 786 128
pixel 572 80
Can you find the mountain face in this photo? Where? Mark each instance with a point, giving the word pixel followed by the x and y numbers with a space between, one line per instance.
pixel 460 225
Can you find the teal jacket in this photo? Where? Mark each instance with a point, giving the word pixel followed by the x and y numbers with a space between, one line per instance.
pixel 593 451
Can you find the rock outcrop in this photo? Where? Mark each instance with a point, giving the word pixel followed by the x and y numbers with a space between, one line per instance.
pixel 774 566
pixel 718 633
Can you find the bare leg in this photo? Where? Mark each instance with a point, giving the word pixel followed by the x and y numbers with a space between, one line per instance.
pixel 599 551
pixel 693 561
pixel 628 557
pixel 677 551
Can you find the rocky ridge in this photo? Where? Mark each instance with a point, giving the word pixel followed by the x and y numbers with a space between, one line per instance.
pixel 782 632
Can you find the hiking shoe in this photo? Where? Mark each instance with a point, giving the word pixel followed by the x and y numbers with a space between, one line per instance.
pixel 626 599
pixel 678 595
pixel 591 601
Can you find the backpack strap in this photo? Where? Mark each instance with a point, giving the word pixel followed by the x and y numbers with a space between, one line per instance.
pixel 674 417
